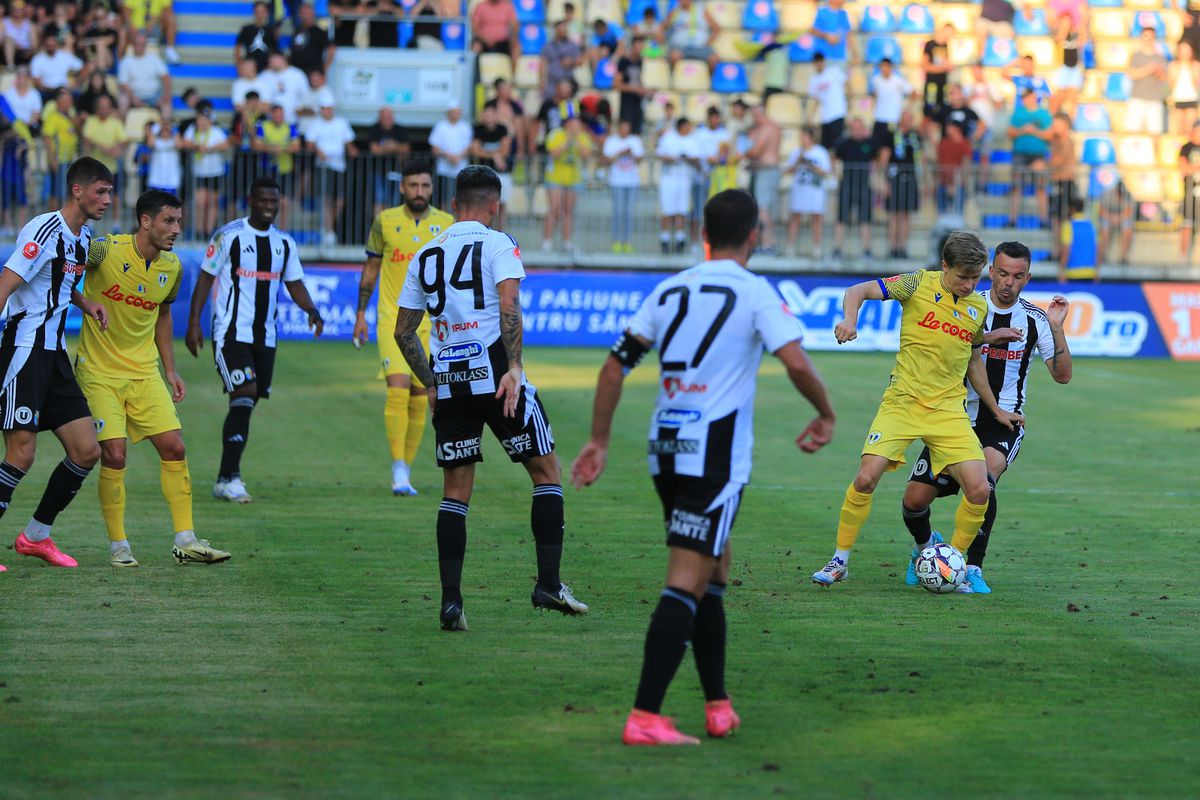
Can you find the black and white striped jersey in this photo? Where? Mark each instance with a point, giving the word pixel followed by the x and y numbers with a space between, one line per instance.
pixel 51 261
pixel 454 277
pixel 248 265
pixel 1008 364
pixel 711 324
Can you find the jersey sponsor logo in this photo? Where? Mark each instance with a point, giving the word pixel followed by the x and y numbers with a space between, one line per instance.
pixel 461 376
pixel 464 351
pixel 674 386
pixel 676 417
pixel 459 327
pixel 1002 355
pixel 934 324
pixel 463 448
pixel 440 329
pixel 873 437
pixel 400 255
pixel 258 276
pixel 689 525
pixel 673 447
pixel 211 251
pixel 115 294
pixel 31 250
pixel 71 268
pixel 517 445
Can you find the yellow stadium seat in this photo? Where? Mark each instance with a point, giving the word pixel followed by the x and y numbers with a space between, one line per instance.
pixel 493 66
pixel 727 13
pixel 725 45
pixel 788 144
pixel 1113 56
pixel 963 50
pixel 1174 26
pixel 785 110
pixel 136 119
pixel 657 103
pixel 1146 186
pixel 1169 146
pixel 528 72
pixel 1136 151
pixel 1042 49
pixel 1093 86
pixel 696 105
pixel 583 76
pixel 962 17
pixel 690 75
pixel 608 10
pixel 555 10
pixel 912 48
pixel 1111 23
pixel 1172 188
pixel 801 77
pixel 656 74
pixel 797 16
pixel 1153 5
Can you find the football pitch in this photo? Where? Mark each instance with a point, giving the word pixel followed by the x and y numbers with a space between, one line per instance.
pixel 311 665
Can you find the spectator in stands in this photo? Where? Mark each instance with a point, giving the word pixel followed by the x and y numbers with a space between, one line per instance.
pixel 560 57
pixel 574 23
pixel 283 84
pixel 890 91
pixel 388 144
pixel 622 155
pixel 345 23
pixel 245 161
pixel 490 145
pixel 278 142
pixel 494 25
pixel 311 48
pixel 96 88
pixel 142 76
pixel 450 140
pixel 511 114
pixel 1079 256
pixel 628 82
pixel 1189 168
pixel 834 32
pixel 52 68
pixel 1184 76
pixel 935 62
pixel 247 81
pixel 165 170
pixel 428 35
pixel 709 138
pixel 605 43
pixel 858 154
pixel 257 40
pixel 1074 12
pixel 689 31
pixel 809 165
pixel 1146 107
pixel 104 139
pixel 207 143
pixel 14 148
pixel 651 33
pixel 147 15
pixel 1025 77
pixel 61 25
pixel 549 116
pixel 827 87
pixel 191 99
pixel 332 139
pixel 763 155
pixel 101 38
pixel 953 159
pixel 596 113
pixel 1063 166
pixel 317 94
pixel 1068 81
pixel 1029 130
pixel 957 111
pixel 567 148
pixel 677 158
pixel 667 123
pixel 20 35
pixel 996 21
pixel 23 99
pixel 985 100
pixel 739 125
pixel 898 157
pixel 60 136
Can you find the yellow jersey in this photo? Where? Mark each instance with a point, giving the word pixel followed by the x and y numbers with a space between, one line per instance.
pixel 566 169
pixel 62 135
pixel 279 136
pixel 937 333
pixel 132 290
pixel 395 238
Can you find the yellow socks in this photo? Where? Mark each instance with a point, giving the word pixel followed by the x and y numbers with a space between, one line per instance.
pixel 417 404
pixel 177 489
pixel 967 520
pixel 855 510
pixel 395 421
pixel 112 502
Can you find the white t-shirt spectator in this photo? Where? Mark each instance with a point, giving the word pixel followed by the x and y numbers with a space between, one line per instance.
pixel 165 170
pixel 314 100
pixel 330 137
pixel 243 86
pixel 808 193
pixel 889 96
pixel 207 165
pixel 624 171
pixel 142 74
pixel 287 87
pixel 708 145
pixel 24 105
pixel 54 72
pixel 453 138
pixel 829 89
pixel 672 145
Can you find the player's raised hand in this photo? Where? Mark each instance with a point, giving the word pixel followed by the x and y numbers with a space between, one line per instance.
pixel 1010 419
pixel 845 332
pixel 178 387
pixel 510 391
pixel 1003 336
pixel 589 465
pixel 194 339
pixel 1056 312
pixel 818 434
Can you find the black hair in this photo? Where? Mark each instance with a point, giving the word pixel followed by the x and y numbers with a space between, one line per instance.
pixel 679 123
pixel 818 56
pixel 264 182
pixel 153 201
pixel 1014 250
pixel 86 171
pixel 417 165
pixel 253 95
pixel 883 61
pixel 729 218
pixel 476 185
pixel 1076 204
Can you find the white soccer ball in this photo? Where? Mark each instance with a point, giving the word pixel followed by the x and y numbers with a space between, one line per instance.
pixel 941 569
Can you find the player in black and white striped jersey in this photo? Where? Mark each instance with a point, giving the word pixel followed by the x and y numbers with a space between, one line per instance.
pixel 39 391
pixel 1016 330
pixel 711 324
pixel 247 259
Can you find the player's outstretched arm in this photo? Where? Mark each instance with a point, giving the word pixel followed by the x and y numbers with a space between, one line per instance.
pixel 299 294
pixel 1059 363
pixel 366 288
pixel 807 380
pixel 414 352
pixel 852 300
pixel 194 338
pixel 512 336
pixel 977 375
pixel 164 340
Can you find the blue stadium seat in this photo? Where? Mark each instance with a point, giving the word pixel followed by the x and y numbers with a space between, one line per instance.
pixel 760 15
pixel 1092 118
pixel 530 11
pixel 1032 27
pixel 637 8
pixel 533 38
pixel 730 78
pixel 406 33
pixel 878 19
pixel 1117 87
pixel 454 36
pixel 606 72
pixel 1107 3
pixel 1101 180
pixel 1097 151
pixel 916 19
pixel 408 5
pixel 881 47
pixel 998 52
pixel 1148 19
pixel 802 50
pixel 1089 55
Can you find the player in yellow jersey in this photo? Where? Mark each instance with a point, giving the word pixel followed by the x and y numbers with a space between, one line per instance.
pixel 136 277
pixel 941 330
pixel 396 235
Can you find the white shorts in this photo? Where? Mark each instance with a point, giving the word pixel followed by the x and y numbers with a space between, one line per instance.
pixel 807 200
pixel 1069 78
pixel 675 197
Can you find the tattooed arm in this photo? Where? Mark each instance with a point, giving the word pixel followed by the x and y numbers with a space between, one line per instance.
pixel 410 346
pixel 511 335
pixel 1059 363
pixel 366 288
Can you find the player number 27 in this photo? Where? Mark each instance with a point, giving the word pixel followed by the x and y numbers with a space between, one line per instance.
pixel 437 285
pixel 682 311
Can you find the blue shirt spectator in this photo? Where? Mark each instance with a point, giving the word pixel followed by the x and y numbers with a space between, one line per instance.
pixel 832 30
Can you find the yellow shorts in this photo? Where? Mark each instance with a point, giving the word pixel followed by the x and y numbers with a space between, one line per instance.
pixel 391 360
pixel 133 408
pixel 947 434
pixel 141 11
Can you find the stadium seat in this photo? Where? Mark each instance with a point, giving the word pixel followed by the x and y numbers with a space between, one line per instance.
pixel 1101 180
pixel 1118 87
pixel 454 36
pixel 1107 4
pixel 656 74
pixel 530 11
pixel 493 66
pixel 528 73
pixel 785 110
pixel 802 50
pixel 1168 149
pixel 881 47
pixel 916 19
pixel 878 19
pixel 690 75
pixel 608 10
pixel 757 73
pixel 760 15
pixel 1146 185
pixel 727 13
pixel 1148 19
pixel 1153 5
pixel 637 9
pixel 797 16
pixel 961 16
pixel 696 105
pixel 1097 151
pixel 532 37
pixel 583 77
pixel 557 9
pixel 1113 56
pixel 801 76
pixel 730 78
pixel 1136 151
pixel 963 50
pixel 1110 23
pixel 1092 118
pixel 657 105
pixel 135 122
pixel 1032 27
pixel 606 72
pixel 998 52
pixel 1093 86
pixel 912 49
pixel 728 45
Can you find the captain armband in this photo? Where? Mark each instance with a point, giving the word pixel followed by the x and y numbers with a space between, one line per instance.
pixel 629 351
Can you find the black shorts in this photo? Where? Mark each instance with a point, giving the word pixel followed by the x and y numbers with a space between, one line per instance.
pixel 40 393
pixel 831 132
pixel 458 428
pixel 1061 193
pixel 905 195
pixel 211 184
pixel 239 363
pixel 991 434
pixel 698 513
pixel 855 198
pixel 881 134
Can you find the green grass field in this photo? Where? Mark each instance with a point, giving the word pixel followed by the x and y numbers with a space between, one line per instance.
pixel 311 665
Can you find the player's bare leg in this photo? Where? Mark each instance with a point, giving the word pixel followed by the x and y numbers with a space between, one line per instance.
pixel 19 449
pixel 234 435
pixel 547 521
pixel 856 507
pixel 78 438
pixel 457 484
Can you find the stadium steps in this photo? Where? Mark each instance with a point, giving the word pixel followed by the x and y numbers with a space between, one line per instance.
pixel 207 31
